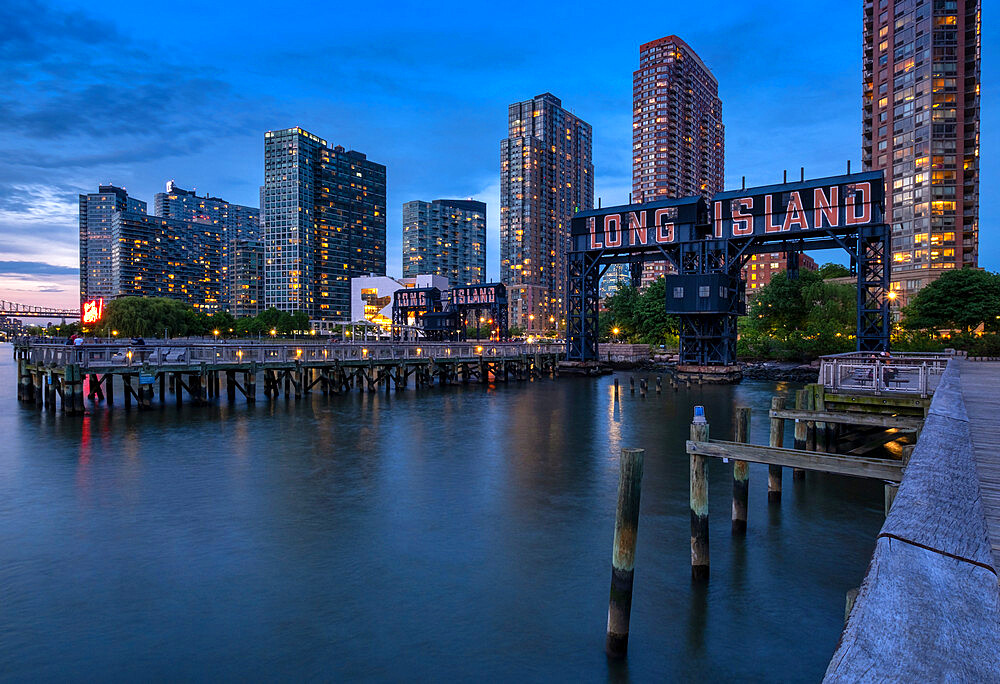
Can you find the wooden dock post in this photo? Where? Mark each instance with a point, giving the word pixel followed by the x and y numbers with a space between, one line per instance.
pixel 163 387
pixel 50 392
pixel 801 429
pixel 170 382
pixel 623 555
pixel 777 439
pixel 616 388
pixel 250 383
pixel 39 396
pixel 631 384
pixel 699 499
pixel 178 384
pixel 659 384
pixel 642 387
pixel 741 474
pixel 231 385
pixel 24 390
pixel 109 388
pixel 127 382
pixel 819 404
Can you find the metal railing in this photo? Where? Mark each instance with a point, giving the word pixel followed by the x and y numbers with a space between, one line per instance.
pixel 880 373
pixel 237 352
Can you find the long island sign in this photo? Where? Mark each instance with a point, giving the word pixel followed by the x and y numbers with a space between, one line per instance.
pixel 793 210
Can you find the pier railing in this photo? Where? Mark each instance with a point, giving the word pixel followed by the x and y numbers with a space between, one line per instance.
pixel 235 352
pixel 878 373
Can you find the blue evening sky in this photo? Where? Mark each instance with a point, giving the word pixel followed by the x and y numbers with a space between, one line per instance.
pixel 140 93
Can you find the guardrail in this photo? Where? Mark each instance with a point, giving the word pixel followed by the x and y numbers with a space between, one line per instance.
pixel 237 353
pixel 879 373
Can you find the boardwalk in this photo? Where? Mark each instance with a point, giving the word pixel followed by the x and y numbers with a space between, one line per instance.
pixel 982 403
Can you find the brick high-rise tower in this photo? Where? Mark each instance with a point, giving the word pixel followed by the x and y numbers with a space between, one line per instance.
pixel 678 140
pixel 921 127
pixel 546 175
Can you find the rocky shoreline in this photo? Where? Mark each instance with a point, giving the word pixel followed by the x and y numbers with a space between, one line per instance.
pixel 775 371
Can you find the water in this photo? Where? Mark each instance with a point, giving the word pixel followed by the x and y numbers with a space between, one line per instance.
pixel 446 534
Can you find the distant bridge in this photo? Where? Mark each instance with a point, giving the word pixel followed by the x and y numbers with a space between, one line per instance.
pixel 15 310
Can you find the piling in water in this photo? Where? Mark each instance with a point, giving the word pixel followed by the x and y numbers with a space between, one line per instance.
pixel 623 555
pixel 631 384
pixel 699 499
pixel 741 474
pixel 801 404
pixel 616 388
pixel 777 439
pixel 659 384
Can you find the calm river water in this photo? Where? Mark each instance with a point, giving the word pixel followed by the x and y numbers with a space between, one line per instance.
pixel 443 534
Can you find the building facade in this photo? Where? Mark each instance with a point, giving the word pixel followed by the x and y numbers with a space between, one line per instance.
pixel 324 223
pixel 238 222
pixel 920 108
pixel 152 256
pixel 761 267
pixel 678 139
pixel 546 175
pixel 245 277
pixel 371 296
pixel 96 213
pixel 447 238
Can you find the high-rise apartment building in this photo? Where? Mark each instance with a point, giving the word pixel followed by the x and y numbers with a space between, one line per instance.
pixel 324 223
pixel 96 213
pixel 152 256
pixel 245 277
pixel 921 127
pixel 238 222
pixel 678 140
pixel 447 238
pixel 546 175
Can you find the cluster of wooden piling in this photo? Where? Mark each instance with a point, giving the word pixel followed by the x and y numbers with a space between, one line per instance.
pixel 199 384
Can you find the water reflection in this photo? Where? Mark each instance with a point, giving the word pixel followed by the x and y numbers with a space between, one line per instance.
pixel 459 530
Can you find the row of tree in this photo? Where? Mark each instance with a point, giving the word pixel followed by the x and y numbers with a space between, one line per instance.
pixel 162 317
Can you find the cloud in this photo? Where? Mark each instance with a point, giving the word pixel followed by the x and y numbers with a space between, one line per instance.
pixel 35 268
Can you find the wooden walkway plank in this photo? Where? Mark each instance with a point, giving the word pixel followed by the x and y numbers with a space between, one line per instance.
pixel 979 382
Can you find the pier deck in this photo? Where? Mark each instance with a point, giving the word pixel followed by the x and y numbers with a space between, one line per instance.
pixel 982 404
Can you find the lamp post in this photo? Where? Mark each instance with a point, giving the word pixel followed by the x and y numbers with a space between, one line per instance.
pixel 614 331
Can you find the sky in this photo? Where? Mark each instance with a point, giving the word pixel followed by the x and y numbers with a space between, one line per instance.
pixel 137 94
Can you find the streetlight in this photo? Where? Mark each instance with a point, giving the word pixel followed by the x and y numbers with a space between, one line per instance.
pixel 216 333
pixel 614 331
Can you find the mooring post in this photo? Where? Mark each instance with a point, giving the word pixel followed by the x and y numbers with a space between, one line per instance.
pixel 170 382
pixel 178 384
pixel 250 382
pixel 777 439
pixel 231 385
pixel 623 554
pixel 77 391
pixel 163 387
pixel 741 474
pixel 109 388
pixel 801 404
pixel 38 391
pixel 631 384
pixel 50 393
pixel 642 387
pixel 810 424
pixel 127 382
pixel 699 499
pixel 659 384
pixel 616 388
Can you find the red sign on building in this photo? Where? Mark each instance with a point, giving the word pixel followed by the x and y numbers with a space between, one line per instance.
pixel 92 311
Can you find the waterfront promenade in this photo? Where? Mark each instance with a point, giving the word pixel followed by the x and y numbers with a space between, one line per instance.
pixel 929 607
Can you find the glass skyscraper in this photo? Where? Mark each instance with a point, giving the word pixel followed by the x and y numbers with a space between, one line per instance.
pixel 447 238
pixel 96 213
pixel 324 223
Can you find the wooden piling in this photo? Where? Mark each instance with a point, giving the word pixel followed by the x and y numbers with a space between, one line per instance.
pixel 250 383
pixel 39 396
pixel 616 388
pixel 127 382
pixel 741 474
pixel 623 554
pixel 50 392
pixel 178 383
pixel 699 499
pixel 642 387
pixel 659 384
pixel 801 404
pixel 163 388
pixel 777 439
pixel 109 388
pixel 631 384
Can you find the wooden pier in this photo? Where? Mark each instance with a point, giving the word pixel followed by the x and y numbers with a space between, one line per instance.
pixel 55 376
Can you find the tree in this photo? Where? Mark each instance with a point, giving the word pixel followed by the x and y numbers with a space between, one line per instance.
pixel 832 270
pixel 640 315
pixel 148 317
pixel 960 299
